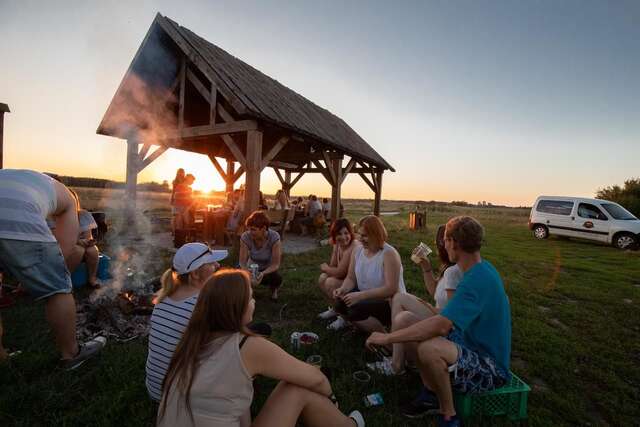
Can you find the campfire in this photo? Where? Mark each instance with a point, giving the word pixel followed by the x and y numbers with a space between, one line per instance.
pixel 121 308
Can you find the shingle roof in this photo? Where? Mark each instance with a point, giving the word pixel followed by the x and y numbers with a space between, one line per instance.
pixel 267 99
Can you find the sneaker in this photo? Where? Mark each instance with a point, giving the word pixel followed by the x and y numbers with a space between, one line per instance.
pixel 85 351
pixel 337 324
pixel 425 403
pixel 453 421
pixel 358 418
pixel 329 314
pixel 384 367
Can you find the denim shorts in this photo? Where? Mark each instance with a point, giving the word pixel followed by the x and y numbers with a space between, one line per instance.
pixel 39 266
pixel 474 372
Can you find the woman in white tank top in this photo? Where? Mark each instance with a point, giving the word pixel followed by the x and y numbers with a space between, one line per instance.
pixel 374 277
pixel 210 378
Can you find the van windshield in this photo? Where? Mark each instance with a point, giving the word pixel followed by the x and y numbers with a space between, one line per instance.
pixel 618 212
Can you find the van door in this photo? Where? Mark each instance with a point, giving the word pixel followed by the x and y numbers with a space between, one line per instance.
pixel 592 222
pixel 557 216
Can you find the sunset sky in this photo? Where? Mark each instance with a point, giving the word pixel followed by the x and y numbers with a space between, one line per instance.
pixel 469 100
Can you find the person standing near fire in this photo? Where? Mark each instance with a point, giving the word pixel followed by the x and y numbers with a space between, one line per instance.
pixel 35 255
pixel 180 174
pixel 183 201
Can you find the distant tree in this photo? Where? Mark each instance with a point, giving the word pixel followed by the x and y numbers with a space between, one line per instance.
pixel 627 196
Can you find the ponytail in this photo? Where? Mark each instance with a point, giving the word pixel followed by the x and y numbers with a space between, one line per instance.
pixel 169 284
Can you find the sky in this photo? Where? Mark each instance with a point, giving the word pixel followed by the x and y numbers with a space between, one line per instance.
pixel 497 101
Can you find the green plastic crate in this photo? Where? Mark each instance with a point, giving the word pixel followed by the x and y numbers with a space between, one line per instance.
pixel 509 400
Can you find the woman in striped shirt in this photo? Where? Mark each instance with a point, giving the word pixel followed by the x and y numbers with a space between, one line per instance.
pixel 193 264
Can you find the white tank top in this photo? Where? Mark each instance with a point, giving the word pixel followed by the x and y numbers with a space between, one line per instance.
pixel 370 271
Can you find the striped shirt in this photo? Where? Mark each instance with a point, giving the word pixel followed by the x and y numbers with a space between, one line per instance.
pixel 27 198
pixel 168 321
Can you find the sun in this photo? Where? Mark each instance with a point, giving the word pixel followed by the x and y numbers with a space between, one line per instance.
pixel 207 177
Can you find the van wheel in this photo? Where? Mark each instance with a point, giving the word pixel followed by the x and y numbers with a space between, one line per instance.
pixel 624 241
pixel 540 232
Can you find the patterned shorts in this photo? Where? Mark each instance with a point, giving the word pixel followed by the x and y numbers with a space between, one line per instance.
pixel 473 372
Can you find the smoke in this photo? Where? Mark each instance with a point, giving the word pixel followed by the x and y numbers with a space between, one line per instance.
pixel 142 112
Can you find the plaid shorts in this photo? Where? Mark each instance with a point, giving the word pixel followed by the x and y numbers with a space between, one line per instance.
pixel 473 372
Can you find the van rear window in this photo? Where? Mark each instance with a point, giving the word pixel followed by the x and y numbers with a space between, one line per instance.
pixel 557 207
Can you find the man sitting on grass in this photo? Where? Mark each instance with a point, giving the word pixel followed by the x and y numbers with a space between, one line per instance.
pixel 467 345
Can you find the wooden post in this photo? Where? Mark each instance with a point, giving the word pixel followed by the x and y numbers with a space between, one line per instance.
pixel 230 173
pixel 336 166
pixel 253 168
pixel 287 183
pixel 132 174
pixel 4 108
pixel 378 184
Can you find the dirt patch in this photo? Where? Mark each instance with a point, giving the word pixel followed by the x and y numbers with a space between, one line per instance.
pixel 627 301
pixel 544 309
pixel 538 385
pixel 295 244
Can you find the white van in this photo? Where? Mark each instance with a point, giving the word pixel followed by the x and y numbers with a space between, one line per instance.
pixel 591 219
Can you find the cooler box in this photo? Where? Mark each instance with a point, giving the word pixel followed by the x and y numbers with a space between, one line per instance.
pixel 79 276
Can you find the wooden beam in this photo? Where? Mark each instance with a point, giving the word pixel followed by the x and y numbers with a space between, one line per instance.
pixel 229 181
pixel 296 179
pixel 183 70
pixel 378 197
pixel 323 171
pixel 132 174
pixel 286 186
pixel 216 164
pixel 369 183
pixel 283 165
pixel 274 151
pixel 143 151
pixel 253 168
pixel 347 169
pixel 152 157
pixel 212 105
pixel 280 178
pixel 219 129
pixel 196 58
pixel 224 113
pixel 327 162
pixel 238 173
pixel 235 150
pixel 336 166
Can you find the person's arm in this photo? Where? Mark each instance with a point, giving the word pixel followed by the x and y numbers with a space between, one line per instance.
pixel 431 327
pixel 340 270
pixel 333 262
pixel 66 217
pixel 391 268
pixel 244 255
pixel 430 282
pixel 276 255
pixel 262 357
pixel 349 281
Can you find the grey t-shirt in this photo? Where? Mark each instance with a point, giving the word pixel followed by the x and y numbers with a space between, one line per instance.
pixel 261 256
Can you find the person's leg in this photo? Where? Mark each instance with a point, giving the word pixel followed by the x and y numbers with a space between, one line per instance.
pixel 330 284
pixel 74 258
pixel 288 402
pixel 60 310
pixel 323 277
pixel 91 257
pixel 435 357
pixel 402 320
pixel 274 281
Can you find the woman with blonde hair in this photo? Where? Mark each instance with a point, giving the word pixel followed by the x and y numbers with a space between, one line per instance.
pixel 374 277
pixel 193 264
pixel 210 378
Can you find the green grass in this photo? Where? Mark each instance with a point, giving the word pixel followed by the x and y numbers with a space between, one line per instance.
pixel 575 339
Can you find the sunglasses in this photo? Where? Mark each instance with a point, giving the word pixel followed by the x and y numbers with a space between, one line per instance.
pixel 208 251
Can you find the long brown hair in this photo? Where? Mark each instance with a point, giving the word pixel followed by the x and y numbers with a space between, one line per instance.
pixel 220 308
pixel 376 232
pixel 445 262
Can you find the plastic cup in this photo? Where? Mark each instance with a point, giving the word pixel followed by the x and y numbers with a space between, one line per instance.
pixel 315 360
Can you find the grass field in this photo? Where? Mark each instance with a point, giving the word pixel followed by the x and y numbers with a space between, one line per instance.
pixel 576 335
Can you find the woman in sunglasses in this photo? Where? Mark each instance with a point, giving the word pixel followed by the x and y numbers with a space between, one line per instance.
pixel 193 264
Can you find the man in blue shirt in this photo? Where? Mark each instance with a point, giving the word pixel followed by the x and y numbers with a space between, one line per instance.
pixel 468 345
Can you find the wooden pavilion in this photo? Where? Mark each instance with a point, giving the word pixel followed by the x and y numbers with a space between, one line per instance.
pixel 4 108
pixel 183 92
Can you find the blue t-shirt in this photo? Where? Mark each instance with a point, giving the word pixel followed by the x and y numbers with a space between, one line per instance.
pixel 480 310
